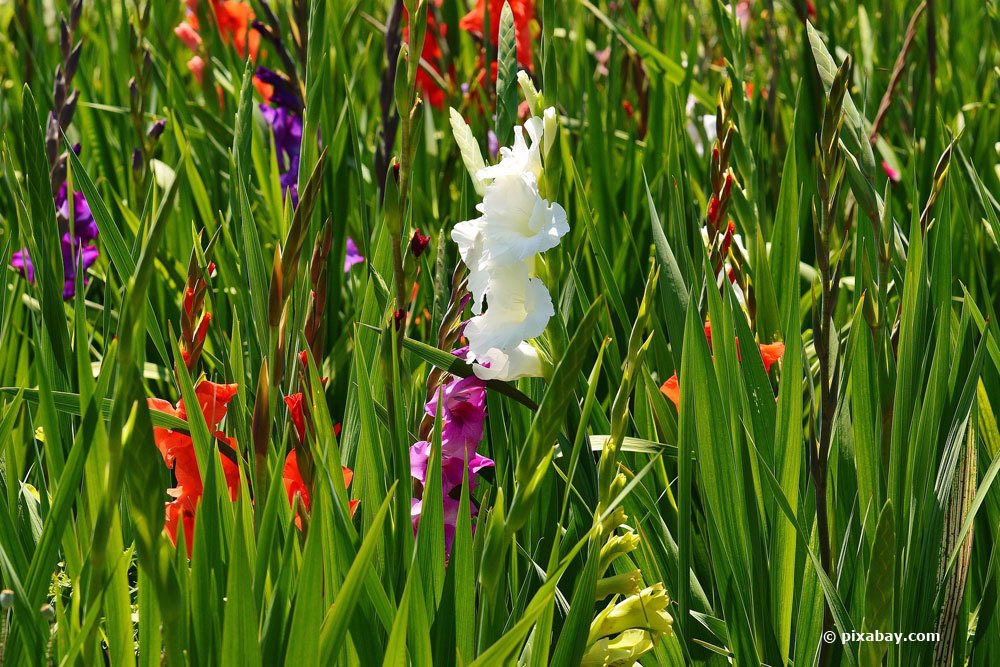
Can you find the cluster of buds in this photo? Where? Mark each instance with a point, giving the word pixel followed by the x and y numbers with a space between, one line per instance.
pixel 64 97
pixel 298 406
pixel 726 258
pixel 138 92
pixel 283 272
pixel 830 171
pixel 624 631
pixel 720 174
pixel 194 318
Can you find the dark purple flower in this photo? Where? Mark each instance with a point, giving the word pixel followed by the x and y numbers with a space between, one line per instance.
pixel 286 128
pixel 353 256
pixel 419 243
pixel 77 248
pixel 84 226
pixel 73 253
pixel 283 94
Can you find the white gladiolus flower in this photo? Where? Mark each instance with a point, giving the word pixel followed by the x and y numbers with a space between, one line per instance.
pixel 519 307
pixel 522 361
pixel 500 247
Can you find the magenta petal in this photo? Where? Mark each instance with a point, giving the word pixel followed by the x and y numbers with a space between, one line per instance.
pixel 353 256
pixel 419 453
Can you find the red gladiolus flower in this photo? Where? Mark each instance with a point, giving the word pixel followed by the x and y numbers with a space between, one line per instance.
pixel 770 353
pixel 178 454
pixel 294 403
pixel 431 54
pixel 523 11
pixel 294 486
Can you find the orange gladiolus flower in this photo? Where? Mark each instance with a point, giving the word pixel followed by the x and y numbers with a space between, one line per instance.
pixel 672 390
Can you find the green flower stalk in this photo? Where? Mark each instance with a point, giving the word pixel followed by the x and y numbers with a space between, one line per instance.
pixel 607 468
pixel 826 210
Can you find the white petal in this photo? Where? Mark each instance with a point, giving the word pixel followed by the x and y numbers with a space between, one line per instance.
pixel 522 361
pixel 518 308
pixel 467 235
pixel 517 159
pixel 518 223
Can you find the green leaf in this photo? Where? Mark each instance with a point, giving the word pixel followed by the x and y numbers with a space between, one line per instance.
pixel 334 628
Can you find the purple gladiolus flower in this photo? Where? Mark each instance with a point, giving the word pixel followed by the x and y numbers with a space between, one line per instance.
pixel 84 226
pixel 450 506
pixel 463 412
pixel 461 403
pixel 286 128
pixel 451 467
pixel 77 248
pixel 493 144
pixel 353 256
pixel 282 92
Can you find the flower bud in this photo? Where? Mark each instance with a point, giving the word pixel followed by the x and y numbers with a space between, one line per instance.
pixel 418 243
pixel 202 332
pixel 156 130
pixel 64 39
pixel 73 61
pixel 616 518
pixel 619 584
pixel 550 130
pixel 74 14
pixel 530 93
pixel 260 426
pixel 713 209
pixel 274 295
pixel 618 545
pixel 6 598
pixel 390 201
pixel 48 612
